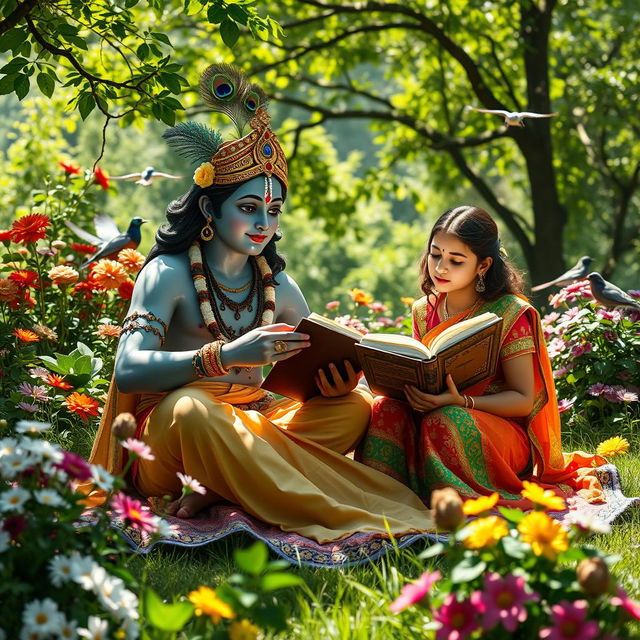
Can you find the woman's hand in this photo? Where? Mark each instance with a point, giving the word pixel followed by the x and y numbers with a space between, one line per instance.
pixel 421 401
pixel 271 343
pixel 337 386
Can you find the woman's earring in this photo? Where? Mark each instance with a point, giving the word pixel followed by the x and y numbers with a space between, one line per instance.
pixel 207 231
pixel 480 285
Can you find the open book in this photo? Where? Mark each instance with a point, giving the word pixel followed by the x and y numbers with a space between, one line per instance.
pixel 468 350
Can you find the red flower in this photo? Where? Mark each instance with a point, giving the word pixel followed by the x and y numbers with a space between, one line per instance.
pixel 83 248
pixel 87 287
pixel 69 168
pixel 24 278
pixel 101 178
pixel 30 228
pixel 5 236
pixel 126 289
pixel 82 405
pixel 75 466
pixel 27 300
pixel 57 381
pixel 25 335
pixel 14 525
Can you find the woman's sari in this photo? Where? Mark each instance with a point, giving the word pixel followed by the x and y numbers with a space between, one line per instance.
pixel 473 451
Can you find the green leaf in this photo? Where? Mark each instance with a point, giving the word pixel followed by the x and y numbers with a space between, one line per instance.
pixel 229 32
pixel 14 66
pixel 86 104
pixel 6 84
pixel 467 570
pixel 161 37
pixel 171 81
pixel 273 581
pixel 238 13
pixel 216 14
pixel 432 551
pixel 514 548
pixel 512 515
pixel 270 616
pixel 21 86
pixel 143 51
pixel 252 560
pixel 46 84
pixel 165 617
pixel 83 349
pixel 13 38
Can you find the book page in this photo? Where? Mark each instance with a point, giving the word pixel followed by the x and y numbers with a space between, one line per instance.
pixel 460 331
pixel 397 343
pixel 334 326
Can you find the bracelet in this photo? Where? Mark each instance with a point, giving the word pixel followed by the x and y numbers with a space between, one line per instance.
pixel 466 401
pixel 473 402
pixel 211 360
pixel 196 362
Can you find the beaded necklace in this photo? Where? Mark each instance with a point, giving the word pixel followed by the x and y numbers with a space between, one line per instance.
pixel 225 300
pixel 266 292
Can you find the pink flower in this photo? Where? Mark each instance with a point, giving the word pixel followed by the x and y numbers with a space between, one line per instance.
pixel 597 389
pixel 457 619
pixel 558 373
pixel 634 293
pixel 605 314
pixel 190 485
pixel 627 396
pixel 565 404
pixel 569 621
pixel 632 607
pixel 612 336
pixel 415 593
pixel 29 408
pixel 556 347
pixel 334 304
pixel 133 513
pixel 37 392
pixel 611 393
pixel 581 349
pixel 378 307
pixel 502 600
pixel 75 466
pixel 138 448
pixel 550 318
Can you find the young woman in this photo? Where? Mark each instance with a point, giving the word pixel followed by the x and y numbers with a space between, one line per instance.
pixel 213 305
pixel 500 431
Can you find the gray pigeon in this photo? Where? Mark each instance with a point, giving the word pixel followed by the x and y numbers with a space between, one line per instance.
pixel 577 272
pixel 609 295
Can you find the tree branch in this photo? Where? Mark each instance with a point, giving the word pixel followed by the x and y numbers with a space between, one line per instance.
pixel 309 20
pixel 20 12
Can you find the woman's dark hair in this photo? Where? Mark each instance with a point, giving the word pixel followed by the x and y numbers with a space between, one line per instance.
pixel 476 228
pixel 185 221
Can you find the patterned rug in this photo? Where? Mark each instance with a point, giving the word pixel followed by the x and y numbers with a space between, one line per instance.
pixel 224 519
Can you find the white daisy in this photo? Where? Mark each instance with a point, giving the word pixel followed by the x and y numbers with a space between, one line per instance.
pixel 5 540
pixel 164 529
pixel 42 449
pixel 7 446
pixel 190 485
pixel 102 478
pixel 109 593
pixel 586 522
pixel 81 568
pixel 49 498
pixel 14 463
pixel 42 616
pixel 131 629
pixel 97 629
pixel 13 499
pixel 60 570
pixel 128 605
pixel 28 634
pixel 32 426
pixel 68 629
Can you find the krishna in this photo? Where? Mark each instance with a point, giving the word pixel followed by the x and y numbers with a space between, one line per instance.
pixel 210 307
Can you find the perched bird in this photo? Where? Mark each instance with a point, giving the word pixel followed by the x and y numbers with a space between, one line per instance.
pixel 109 239
pixel 512 118
pixel 577 272
pixel 145 178
pixel 609 295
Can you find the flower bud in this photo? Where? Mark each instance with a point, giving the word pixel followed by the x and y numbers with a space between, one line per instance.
pixel 3 424
pixel 446 505
pixel 593 576
pixel 124 426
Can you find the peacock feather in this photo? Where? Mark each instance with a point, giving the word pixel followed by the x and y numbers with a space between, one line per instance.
pixel 193 140
pixel 225 88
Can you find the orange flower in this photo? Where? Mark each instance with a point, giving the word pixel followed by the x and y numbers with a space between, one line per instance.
pixel 69 168
pixel 81 404
pixel 108 331
pixel 131 260
pixel 24 278
pixel 361 297
pixel 30 228
pixel 63 275
pixel 57 381
pixel 126 290
pixel 25 335
pixel 8 290
pixel 101 178
pixel 108 274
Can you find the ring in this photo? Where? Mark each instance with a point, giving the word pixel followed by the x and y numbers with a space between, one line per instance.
pixel 280 346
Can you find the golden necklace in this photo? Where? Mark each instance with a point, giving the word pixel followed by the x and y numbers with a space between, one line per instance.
pixel 445 311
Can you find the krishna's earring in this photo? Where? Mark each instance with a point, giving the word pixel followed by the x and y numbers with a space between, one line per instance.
pixel 480 285
pixel 207 231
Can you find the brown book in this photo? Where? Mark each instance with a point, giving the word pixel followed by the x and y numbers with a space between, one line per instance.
pixel 330 342
pixel 467 350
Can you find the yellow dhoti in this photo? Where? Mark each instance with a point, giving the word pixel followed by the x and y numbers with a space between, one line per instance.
pixel 283 464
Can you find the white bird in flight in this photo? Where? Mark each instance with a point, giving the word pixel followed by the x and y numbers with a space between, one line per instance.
pixel 145 178
pixel 512 118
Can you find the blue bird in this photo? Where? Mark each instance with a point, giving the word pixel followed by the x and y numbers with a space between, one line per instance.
pixel 109 239
pixel 145 178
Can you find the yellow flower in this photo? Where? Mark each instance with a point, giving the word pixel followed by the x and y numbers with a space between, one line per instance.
pixel 480 505
pixel 485 532
pixel 613 447
pixel 204 175
pixel 361 297
pixel 243 630
pixel 545 535
pixel 207 603
pixel 544 497
pixel 408 300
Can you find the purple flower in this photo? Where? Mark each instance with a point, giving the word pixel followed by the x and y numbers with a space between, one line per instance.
pixel 35 391
pixel 30 408
pixel 625 395
pixel 634 293
pixel 610 335
pixel 558 373
pixel 75 466
pixel 597 389
pixel 610 393
pixel 581 349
